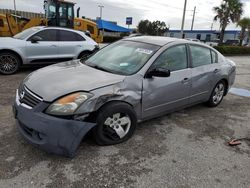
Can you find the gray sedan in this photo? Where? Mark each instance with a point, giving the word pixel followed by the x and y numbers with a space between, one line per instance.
pixel 127 82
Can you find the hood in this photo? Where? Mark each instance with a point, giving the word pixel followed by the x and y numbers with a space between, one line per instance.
pixel 9 41
pixel 60 79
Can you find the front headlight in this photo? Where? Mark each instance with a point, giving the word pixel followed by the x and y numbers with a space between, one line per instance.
pixel 67 105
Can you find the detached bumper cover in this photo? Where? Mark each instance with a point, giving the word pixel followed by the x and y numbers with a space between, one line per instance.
pixel 52 134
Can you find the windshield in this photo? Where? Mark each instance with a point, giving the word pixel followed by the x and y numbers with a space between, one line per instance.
pixel 24 34
pixel 123 57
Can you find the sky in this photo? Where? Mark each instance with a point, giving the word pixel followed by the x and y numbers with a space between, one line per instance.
pixel 169 11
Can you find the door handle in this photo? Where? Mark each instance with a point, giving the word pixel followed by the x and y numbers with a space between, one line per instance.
pixel 53 45
pixel 216 70
pixel 78 46
pixel 185 80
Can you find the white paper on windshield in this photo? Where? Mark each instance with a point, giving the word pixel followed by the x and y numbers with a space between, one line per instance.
pixel 123 64
pixel 144 51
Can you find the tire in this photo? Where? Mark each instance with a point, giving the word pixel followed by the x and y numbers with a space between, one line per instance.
pixel 84 55
pixel 217 94
pixel 113 128
pixel 9 63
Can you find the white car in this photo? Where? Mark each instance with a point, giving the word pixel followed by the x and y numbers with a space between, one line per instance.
pixel 43 45
pixel 213 42
pixel 194 40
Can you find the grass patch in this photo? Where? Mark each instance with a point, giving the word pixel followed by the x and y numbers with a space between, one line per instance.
pixel 233 50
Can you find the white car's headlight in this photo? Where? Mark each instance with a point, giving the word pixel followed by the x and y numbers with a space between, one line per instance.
pixel 67 105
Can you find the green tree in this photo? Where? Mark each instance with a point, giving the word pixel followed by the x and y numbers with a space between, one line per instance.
pixel 244 23
pixel 156 28
pixel 228 11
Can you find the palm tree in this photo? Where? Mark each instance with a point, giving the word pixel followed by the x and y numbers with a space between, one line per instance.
pixel 244 23
pixel 228 11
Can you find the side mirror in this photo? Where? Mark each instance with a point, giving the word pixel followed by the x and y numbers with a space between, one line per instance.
pixel 158 72
pixel 35 39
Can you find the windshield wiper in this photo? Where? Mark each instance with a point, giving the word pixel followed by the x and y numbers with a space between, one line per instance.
pixel 99 68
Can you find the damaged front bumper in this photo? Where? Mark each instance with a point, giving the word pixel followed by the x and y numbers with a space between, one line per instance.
pixel 52 134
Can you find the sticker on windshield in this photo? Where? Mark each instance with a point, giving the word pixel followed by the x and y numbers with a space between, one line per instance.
pixel 123 64
pixel 144 51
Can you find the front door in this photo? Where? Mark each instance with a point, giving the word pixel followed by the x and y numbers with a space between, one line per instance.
pixel 44 51
pixel 164 94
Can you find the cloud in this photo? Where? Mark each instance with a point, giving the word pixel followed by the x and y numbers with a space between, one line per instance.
pixel 118 10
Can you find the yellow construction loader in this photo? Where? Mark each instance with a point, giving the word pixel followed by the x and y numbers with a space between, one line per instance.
pixel 58 13
pixel 11 24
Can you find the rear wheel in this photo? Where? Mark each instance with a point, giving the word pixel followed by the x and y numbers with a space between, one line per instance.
pixel 9 63
pixel 116 123
pixel 217 94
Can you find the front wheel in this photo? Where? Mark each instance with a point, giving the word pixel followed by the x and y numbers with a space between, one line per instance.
pixel 217 94
pixel 9 63
pixel 116 123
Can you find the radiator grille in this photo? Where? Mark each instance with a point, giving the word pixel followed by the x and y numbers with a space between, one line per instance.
pixel 28 98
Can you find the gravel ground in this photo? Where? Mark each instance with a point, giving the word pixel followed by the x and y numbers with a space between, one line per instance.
pixel 183 149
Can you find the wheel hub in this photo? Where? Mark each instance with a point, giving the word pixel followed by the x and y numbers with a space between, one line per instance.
pixel 120 124
pixel 218 93
pixel 8 63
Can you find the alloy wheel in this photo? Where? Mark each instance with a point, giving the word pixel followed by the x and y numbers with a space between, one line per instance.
pixel 119 123
pixel 218 93
pixel 8 64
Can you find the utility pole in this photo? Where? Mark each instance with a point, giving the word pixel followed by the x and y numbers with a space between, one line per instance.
pixel 212 25
pixel 183 18
pixel 15 10
pixel 192 26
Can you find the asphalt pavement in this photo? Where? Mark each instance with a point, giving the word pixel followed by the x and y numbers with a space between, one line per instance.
pixel 187 148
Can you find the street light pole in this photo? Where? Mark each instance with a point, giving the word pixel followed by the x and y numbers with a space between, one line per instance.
pixel 15 9
pixel 183 18
pixel 101 7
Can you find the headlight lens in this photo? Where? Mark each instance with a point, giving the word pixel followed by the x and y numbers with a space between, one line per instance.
pixel 68 105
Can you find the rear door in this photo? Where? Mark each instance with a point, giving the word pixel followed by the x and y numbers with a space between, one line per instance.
pixel 44 51
pixel 70 45
pixel 204 72
pixel 163 94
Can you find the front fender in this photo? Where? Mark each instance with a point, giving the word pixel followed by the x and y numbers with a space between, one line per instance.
pixel 127 91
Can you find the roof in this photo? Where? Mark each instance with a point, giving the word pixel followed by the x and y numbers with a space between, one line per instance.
pixel 69 2
pixel 204 31
pixel 155 40
pixel 60 28
pixel 102 24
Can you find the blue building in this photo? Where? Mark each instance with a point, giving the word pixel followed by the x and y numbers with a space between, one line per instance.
pixel 207 35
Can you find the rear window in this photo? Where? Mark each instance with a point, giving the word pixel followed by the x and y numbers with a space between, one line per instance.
pixel 200 55
pixel 69 36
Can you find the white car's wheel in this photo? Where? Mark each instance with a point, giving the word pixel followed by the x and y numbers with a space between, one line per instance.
pixel 9 63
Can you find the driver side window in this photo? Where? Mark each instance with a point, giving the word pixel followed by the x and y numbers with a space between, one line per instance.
pixel 173 59
pixel 47 35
